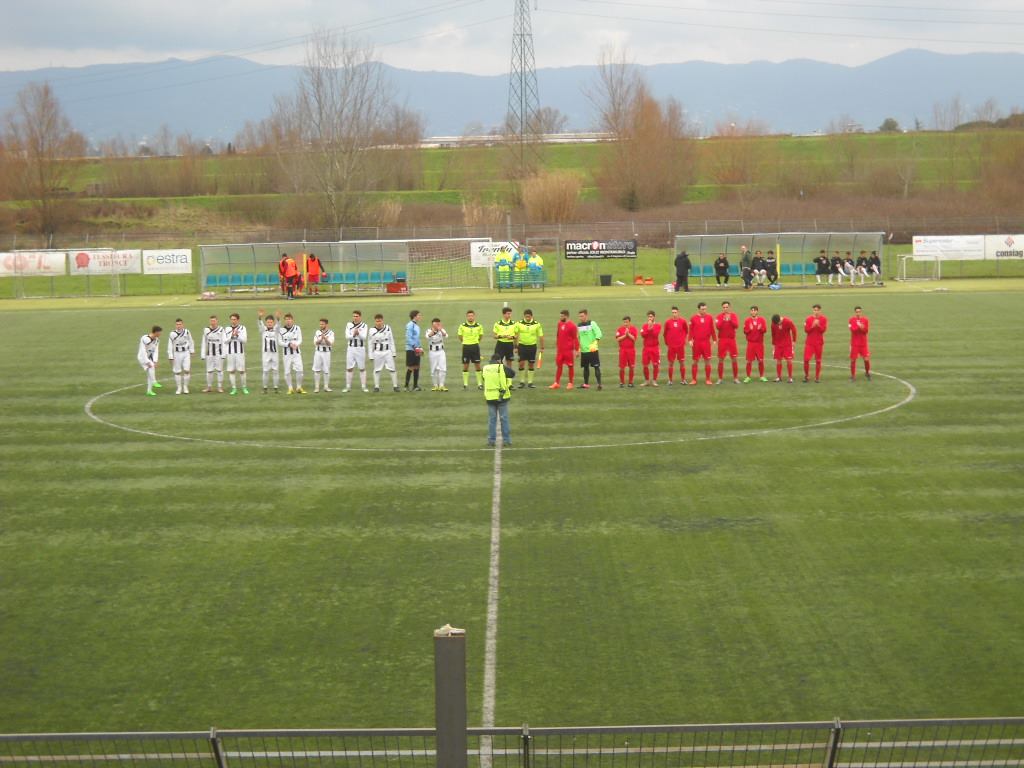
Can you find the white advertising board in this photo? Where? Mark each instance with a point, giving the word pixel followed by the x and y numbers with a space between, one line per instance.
pixel 482 254
pixel 105 262
pixel 32 263
pixel 176 261
pixel 949 247
pixel 1004 246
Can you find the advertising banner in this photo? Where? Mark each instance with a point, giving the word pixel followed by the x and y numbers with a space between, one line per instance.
pixel 32 263
pixel 1004 246
pixel 176 261
pixel 484 254
pixel 105 262
pixel 600 249
pixel 951 247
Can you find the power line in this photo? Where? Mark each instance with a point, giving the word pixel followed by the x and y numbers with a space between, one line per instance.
pixel 894 7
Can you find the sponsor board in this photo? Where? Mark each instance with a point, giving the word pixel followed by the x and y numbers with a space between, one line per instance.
pixel 1004 246
pixel 949 247
pixel 32 263
pixel 600 249
pixel 484 254
pixel 176 261
pixel 105 262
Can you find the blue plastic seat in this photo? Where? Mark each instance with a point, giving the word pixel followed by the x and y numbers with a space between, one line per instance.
pixel 400 276
pixel 261 279
pixel 211 281
pixel 223 281
pixel 788 270
pixel 388 277
pixel 363 278
pixel 375 278
pixel 248 280
pixel 350 278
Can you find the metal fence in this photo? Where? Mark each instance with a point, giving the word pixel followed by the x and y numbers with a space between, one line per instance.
pixel 946 743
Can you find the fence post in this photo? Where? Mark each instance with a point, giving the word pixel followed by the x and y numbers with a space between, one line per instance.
pixel 450 697
pixel 218 749
pixel 526 745
pixel 835 738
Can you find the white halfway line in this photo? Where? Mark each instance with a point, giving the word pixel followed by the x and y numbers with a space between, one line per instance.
pixel 491 636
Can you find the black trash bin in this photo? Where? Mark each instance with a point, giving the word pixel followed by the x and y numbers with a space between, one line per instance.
pixel 606 279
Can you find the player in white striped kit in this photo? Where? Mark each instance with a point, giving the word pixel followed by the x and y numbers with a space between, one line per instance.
pixel 436 335
pixel 148 356
pixel 291 342
pixel 237 336
pixel 180 348
pixel 213 353
pixel 355 356
pixel 382 349
pixel 271 357
pixel 323 343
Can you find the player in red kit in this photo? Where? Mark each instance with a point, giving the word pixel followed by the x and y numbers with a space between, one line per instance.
pixel 726 323
pixel 675 331
pixel 814 344
pixel 627 335
pixel 702 333
pixel 650 356
pixel 783 339
pixel 567 347
pixel 859 326
pixel 754 328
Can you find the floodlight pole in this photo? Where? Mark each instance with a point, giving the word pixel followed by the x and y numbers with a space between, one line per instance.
pixel 450 697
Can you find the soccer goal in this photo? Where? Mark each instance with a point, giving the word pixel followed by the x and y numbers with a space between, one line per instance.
pixel 913 267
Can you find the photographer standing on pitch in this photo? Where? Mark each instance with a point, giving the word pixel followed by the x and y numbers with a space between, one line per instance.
pixel 497 392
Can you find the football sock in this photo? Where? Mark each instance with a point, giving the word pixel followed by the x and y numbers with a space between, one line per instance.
pixel 465 378
pixel 707 370
pixel 597 374
pixel 348 379
pixel 632 373
pixel 817 369
pixel 231 378
pixel 789 367
pixel 327 379
pixel 558 374
pixel 220 379
pixel 853 368
pixel 186 377
pixel 244 379
pixel 670 374
pixel 408 375
pixel 209 379
pixel 586 374
pixel 287 378
pixel 721 368
pixel 529 376
pixel 778 370
pixel 693 370
pixel 150 378
pixel 479 378
pixel 376 379
pixel 622 375
pixel 647 372
pixel 177 380
pixel 266 379
pixel 572 373
pixel 657 370
pixel 441 375
pixel 867 366
pixel 298 379
pixel 394 378
pixel 416 377
pixel 807 369
pixel 735 368
pixel 362 377
pixel 760 368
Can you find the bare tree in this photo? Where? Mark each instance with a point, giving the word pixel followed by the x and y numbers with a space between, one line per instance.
pixel 736 153
pixel 549 120
pixel 988 112
pixel 946 117
pixel 43 149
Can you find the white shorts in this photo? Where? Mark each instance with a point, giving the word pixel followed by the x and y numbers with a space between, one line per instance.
pixel 293 362
pixel 438 361
pixel 214 363
pixel 321 362
pixel 355 357
pixel 181 362
pixel 236 362
pixel 271 361
pixel 382 361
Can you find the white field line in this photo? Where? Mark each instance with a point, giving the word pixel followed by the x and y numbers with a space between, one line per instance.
pixel 491 632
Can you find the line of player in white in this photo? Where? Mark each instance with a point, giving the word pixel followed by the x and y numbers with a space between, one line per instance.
pixel 223 348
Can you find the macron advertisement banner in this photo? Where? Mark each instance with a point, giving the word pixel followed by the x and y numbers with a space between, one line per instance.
pixel 176 261
pixel 32 263
pixel 600 249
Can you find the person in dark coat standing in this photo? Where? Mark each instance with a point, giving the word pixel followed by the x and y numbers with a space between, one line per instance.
pixel 683 266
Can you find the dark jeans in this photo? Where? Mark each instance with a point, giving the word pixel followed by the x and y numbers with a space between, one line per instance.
pixel 748 278
pixel 682 281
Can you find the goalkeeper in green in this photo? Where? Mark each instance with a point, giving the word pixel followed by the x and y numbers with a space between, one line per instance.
pixel 590 334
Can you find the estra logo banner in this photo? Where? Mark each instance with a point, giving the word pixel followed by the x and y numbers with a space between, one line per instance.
pixel 175 261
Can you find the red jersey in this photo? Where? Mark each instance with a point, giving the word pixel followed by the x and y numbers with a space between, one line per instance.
pixel 702 328
pixel 675 331
pixel 627 336
pixel 783 334
pixel 815 327
pixel 651 333
pixel 727 323
pixel 754 328
pixel 568 337
pixel 859 327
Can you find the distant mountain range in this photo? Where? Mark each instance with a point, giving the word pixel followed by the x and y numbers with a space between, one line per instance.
pixel 213 98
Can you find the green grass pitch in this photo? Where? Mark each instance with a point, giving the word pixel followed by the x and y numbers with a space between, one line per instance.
pixel 733 553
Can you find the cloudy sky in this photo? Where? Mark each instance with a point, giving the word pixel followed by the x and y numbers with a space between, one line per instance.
pixel 474 35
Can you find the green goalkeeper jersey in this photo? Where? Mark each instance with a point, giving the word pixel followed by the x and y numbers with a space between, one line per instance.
pixel 529 332
pixel 590 334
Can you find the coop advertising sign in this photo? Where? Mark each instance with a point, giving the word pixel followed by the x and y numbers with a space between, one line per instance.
pixel 105 262
pixel 32 263
pixel 177 261
pixel 484 254
pixel 1004 246
pixel 600 249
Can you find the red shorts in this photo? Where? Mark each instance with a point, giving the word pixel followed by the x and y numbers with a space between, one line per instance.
pixel 813 350
pixel 702 350
pixel 782 353
pixel 627 357
pixel 755 350
pixel 314 278
pixel 859 350
pixel 564 358
pixel 677 353
pixel 651 356
pixel 727 348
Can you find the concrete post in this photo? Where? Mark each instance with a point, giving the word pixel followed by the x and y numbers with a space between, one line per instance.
pixel 450 697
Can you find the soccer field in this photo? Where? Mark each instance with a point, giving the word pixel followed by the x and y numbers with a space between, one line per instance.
pixel 686 554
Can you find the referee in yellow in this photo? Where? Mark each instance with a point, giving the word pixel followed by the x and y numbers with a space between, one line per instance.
pixel 505 336
pixel 530 339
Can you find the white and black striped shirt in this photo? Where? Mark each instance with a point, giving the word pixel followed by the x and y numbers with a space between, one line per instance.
pixel 435 339
pixel 323 340
pixel 290 336
pixel 356 334
pixel 181 341
pixel 236 344
pixel 213 341
pixel 270 340
pixel 381 339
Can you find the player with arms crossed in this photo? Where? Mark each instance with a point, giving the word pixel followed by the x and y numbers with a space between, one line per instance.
pixel 148 356
pixel 470 333
pixel 702 333
pixel 726 323
pixel 323 345
pixel 436 357
pixel 567 346
pixel 213 354
pixel 356 332
pixel 180 348
pixel 675 331
pixel 783 339
pixel 269 338
pixel 859 327
pixel 650 354
pixel 383 351
pixel 814 344
pixel 530 338
pixel 590 334
pixel 754 328
pixel 235 359
pixel 626 335
pixel 291 342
